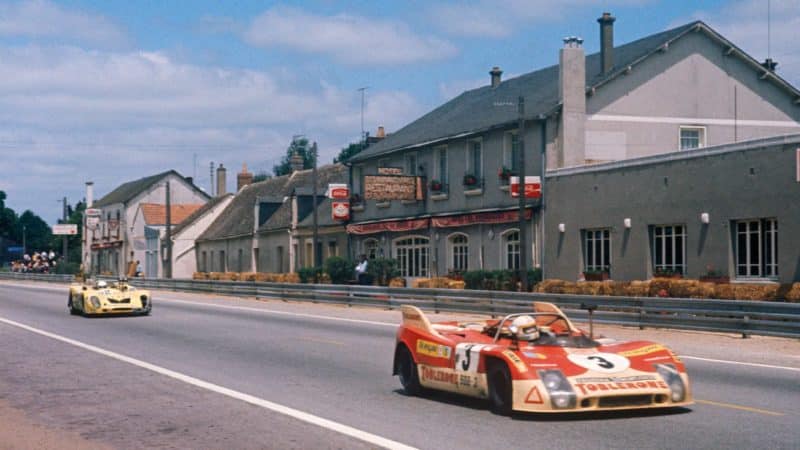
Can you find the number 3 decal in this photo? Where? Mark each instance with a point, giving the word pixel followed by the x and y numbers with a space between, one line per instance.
pixel 601 362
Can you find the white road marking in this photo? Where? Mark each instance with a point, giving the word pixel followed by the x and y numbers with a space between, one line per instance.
pixel 740 363
pixel 373 322
pixel 266 404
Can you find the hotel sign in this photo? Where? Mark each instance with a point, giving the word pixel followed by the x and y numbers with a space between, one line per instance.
pixel 392 187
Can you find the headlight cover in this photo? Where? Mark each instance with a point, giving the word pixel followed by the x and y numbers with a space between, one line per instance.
pixel 95 301
pixel 673 379
pixel 562 396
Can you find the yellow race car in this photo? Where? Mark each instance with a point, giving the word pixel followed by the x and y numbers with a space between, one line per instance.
pixel 101 298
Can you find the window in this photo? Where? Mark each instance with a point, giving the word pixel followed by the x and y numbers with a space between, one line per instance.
pixel 510 243
pixel 511 152
pixel 358 180
pixel 333 249
pixel 692 137
pixel 204 263
pixel 371 248
pixel 412 256
pixel 756 248
pixel 459 252
pixel 597 250
pixel 309 257
pixel 279 259
pixel 669 249
pixel 211 269
pixel 411 164
pixel 440 168
pixel 239 261
pixel 475 158
pixel 222 265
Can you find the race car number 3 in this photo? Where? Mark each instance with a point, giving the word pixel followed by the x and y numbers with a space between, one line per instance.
pixel 601 362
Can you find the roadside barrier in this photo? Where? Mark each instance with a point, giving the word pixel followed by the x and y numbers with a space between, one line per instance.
pixel 730 316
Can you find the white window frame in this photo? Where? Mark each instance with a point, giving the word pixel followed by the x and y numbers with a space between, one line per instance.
pixel 591 260
pixel 508 155
pixel 405 261
pixel 470 162
pixel 458 252
pixel 369 250
pixel 440 175
pixel 668 243
pixel 765 263
pixel 506 253
pixel 701 136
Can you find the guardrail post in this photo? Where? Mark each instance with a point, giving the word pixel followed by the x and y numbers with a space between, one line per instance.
pixel 640 305
pixel 745 326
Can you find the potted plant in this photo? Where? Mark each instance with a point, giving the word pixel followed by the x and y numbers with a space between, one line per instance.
pixel 436 186
pixel 596 275
pixel 714 276
pixel 355 199
pixel 470 180
pixel 504 174
pixel 667 272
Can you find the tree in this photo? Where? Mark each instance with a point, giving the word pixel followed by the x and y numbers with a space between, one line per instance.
pixel 38 236
pixel 8 220
pixel 261 176
pixel 74 216
pixel 350 151
pixel 300 146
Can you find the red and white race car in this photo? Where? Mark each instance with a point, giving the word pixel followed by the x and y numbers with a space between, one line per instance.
pixel 536 362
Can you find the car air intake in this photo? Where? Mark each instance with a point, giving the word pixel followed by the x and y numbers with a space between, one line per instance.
pixel 625 400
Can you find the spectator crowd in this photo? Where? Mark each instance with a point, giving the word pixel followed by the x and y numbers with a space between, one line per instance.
pixel 39 262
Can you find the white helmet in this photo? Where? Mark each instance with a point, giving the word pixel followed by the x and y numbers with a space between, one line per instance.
pixel 525 328
pixel 101 284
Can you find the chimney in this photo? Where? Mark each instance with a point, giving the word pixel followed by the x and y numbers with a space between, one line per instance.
pixel 606 41
pixel 244 178
pixel 495 73
pixel 769 64
pixel 89 194
pixel 296 162
pixel 381 132
pixel 572 93
pixel 221 181
pixel 189 180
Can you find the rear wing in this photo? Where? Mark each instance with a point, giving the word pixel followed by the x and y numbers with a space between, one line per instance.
pixel 413 317
pixel 545 307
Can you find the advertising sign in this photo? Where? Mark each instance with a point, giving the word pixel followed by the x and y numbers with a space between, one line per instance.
pixel 66 228
pixel 392 187
pixel 533 187
pixel 390 171
pixel 93 212
pixel 338 191
pixel 92 222
pixel 340 210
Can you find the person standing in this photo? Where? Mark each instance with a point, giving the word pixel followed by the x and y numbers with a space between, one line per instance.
pixel 361 270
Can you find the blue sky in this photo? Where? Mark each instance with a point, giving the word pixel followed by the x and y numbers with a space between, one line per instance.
pixel 111 91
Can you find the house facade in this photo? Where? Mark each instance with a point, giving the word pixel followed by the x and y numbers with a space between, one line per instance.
pixel 111 238
pixel 670 93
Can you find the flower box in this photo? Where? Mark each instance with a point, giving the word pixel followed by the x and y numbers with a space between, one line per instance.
pixel 436 186
pixel 716 279
pixel 470 180
pixel 595 276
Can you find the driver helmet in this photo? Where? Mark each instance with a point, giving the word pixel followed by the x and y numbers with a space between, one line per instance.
pixel 526 328
pixel 102 284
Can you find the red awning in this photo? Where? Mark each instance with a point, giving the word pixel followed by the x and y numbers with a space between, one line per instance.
pixel 486 218
pixel 380 227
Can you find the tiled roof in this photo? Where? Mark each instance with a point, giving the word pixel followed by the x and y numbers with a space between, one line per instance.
pixel 475 111
pixel 199 213
pixel 238 217
pixel 156 214
pixel 126 191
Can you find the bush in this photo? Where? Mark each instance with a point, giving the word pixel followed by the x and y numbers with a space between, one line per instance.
pixel 309 274
pixel 339 269
pixel 69 268
pixel 382 270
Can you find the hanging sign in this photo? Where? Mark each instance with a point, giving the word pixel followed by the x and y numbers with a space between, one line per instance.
pixel 340 210
pixel 533 187
pixel 93 212
pixel 65 229
pixel 338 191
pixel 92 222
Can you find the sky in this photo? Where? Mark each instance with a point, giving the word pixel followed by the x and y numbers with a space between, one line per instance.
pixel 115 90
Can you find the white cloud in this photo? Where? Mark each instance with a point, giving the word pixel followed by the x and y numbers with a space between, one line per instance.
pixel 744 23
pixel 69 115
pixel 501 18
pixel 41 19
pixel 347 38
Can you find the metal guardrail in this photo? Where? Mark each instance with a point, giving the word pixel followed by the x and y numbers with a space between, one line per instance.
pixel 730 316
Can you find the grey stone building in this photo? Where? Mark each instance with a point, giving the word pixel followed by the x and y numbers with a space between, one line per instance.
pixel 666 94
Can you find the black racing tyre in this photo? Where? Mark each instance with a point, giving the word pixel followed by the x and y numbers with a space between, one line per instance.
pixel 72 309
pixel 407 370
pixel 500 388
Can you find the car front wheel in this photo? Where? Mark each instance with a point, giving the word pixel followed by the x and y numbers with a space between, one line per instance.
pixel 407 370
pixel 500 389
pixel 71 306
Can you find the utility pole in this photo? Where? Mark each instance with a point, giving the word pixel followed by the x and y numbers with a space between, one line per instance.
pixel 24 244
pixel 523 246
pixel 64 238
pixel 315 237
pixel 168 262
pixel 363 91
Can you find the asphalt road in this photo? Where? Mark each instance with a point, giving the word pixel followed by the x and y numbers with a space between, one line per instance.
pixel 208 372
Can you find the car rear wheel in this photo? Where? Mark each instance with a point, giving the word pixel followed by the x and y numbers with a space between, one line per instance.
pixel 500 389
pixel 407 370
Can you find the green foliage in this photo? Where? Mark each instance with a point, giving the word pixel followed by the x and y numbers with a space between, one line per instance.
pixel 69 268
pixel 340 270
pixel 499 280
pixel 74 216
pixel 303 148
pixel 382 270
pixel 348 152
pixel 261 176
pixel 309 274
